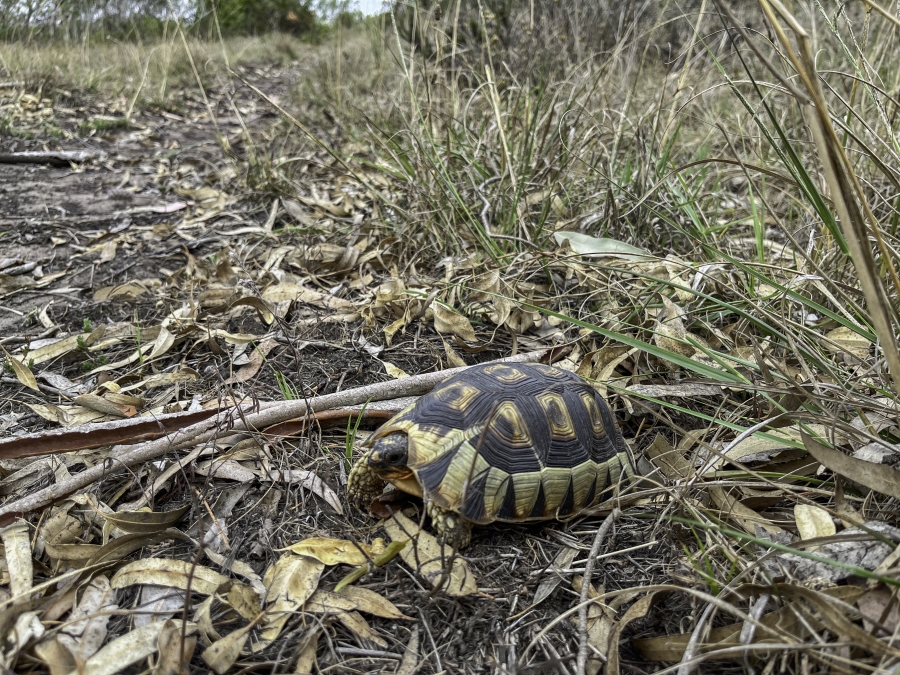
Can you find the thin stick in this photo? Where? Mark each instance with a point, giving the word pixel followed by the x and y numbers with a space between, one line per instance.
pixel 235 420
pixel 585 589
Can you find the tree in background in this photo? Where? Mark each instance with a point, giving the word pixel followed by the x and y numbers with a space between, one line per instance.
pixel 253 17
pixel 78 20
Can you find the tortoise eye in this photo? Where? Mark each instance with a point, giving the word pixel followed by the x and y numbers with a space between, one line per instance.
pixel 393 457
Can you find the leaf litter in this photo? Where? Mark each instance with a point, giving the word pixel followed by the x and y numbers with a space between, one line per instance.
pixel 185 299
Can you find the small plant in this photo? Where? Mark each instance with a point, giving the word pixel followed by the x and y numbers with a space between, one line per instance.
pixel 352 428
pixel 87 326
pixel 90 364
pixel 288 391
pixel 103 124
pixel 137 336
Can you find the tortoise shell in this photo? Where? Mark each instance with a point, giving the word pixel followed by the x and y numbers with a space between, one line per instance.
pixel 510 442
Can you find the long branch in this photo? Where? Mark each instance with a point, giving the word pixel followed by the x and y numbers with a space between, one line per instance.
pixel 235 420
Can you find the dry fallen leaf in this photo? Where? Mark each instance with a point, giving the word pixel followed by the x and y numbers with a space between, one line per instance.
pixel 427 557
pixel 337 551
pixel 878 477
pixel 844 340
pixel 448 321
pixel 169 573
pixel 813 521
pixel 23 374
pixel 17 548
pixel 290 583
pixel 132 647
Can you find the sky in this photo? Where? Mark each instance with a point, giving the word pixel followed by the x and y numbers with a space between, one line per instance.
pixel 369 6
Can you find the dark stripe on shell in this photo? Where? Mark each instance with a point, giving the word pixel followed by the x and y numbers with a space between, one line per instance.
pixel 537 511
pixel 473 508
pixel 431 475
pixel 568 502
pixel 507 510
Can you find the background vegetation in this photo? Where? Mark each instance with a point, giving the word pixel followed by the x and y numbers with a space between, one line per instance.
pixel 726 175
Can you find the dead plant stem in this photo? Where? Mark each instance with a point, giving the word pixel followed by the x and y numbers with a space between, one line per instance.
pixel 586 588
pixel 240 419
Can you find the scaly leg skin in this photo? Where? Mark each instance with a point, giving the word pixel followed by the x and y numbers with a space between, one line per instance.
pixel 452 528
pixel 363 484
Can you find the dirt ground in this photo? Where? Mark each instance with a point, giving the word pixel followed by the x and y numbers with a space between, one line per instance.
pixel 134 214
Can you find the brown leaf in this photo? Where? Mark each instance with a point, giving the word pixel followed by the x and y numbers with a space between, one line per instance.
pixel 132 647
pixel 290 582
pixel 222 654
pixel 17 548
pixel 783 621
pixel 174 653
pixel 448 321
pixel 306 660
pixel 145 522
pixel 169 573
pixel 410 661
pixel 637 611
pixel 878 477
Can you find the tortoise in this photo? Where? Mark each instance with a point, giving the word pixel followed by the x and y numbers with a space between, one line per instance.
pixel 502 442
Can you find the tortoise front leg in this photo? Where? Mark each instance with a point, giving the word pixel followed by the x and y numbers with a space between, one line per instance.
pixel 363 484
pixel 452 528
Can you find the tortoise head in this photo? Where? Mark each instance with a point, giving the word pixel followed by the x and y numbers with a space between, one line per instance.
pixel 389 456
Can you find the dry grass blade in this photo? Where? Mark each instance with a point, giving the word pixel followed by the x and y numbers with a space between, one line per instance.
pixel 846 191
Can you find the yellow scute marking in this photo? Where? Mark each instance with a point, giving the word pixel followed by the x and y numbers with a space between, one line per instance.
pixel 583 477
pixel 554 406
pixel 494 492
pixel 527 486
pixel 509 425
pixel 594 412
pixel 556 483
pixel 458 396
pixel 465 465
pixel 504 373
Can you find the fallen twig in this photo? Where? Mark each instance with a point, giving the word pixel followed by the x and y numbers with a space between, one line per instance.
pixel 88 436
pixel 581 663
pixel 53 158
pixel 234 420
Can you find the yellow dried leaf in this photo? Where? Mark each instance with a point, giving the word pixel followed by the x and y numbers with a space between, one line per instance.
pixel 290 581
pixel 813 521
pixel 306 661
pixel 174 653
pixel 336 551
pixel 845 340
pixel 171 574
pixel 448 321
pixel 19 567
pixel 145 522
pixel 132 647
pixel 222 654
pixel 394 371
pixel 428 557
pixel 23 374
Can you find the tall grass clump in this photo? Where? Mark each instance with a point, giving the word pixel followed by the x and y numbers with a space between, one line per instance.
pixel 750 149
